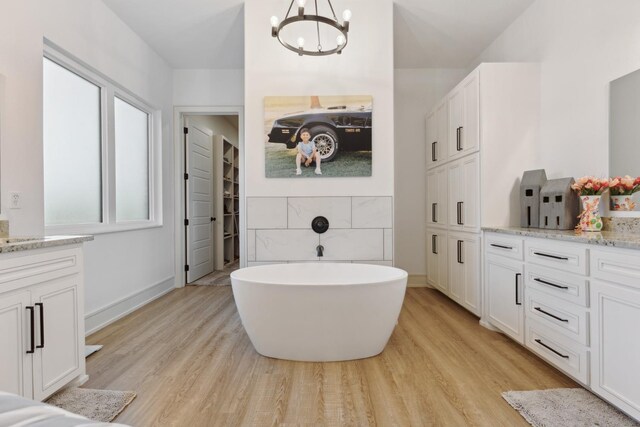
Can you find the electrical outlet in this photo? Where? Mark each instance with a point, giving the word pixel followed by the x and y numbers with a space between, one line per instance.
pixel 15 200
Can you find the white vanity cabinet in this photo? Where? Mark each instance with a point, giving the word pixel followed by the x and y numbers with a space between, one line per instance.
pixel 41 320
pixel 580 307
pixel 615 298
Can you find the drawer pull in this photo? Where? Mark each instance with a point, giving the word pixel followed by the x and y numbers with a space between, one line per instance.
pixel 41 307
pixel 544 282
pixel 562 258
pixel 550 315
pixel 551 349
pixel 495 245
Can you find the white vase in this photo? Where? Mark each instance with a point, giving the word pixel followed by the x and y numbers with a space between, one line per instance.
pixel 590 219
pixel 622 203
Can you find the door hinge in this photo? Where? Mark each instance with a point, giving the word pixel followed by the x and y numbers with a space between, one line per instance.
pixel 186 130
pixel 186 176
pixel 186 267
pixel 186 222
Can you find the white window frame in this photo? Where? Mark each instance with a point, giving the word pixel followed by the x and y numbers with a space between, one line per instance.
pixel 108 91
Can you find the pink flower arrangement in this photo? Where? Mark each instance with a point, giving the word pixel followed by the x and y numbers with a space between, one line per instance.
pixel 624 186
pixel 590 186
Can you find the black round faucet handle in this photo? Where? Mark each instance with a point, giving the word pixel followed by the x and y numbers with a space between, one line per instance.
pixel 320 224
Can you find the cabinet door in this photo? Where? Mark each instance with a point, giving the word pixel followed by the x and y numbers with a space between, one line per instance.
pixel 470 189
pixel 470 132
pixel 455 202
pixel 432 198
pixel 442 196
pixel 432 140
pixel 59 356
pixel 15 341
pixel 504 286
pixel 464 270
pixel 463 198
pixel 616 350
pixel 442 118
pixel 437 260
pixel 456 122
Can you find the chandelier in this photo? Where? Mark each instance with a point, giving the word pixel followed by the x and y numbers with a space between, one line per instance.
pixel 320 21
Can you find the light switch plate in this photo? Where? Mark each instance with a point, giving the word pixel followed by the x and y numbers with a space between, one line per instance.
pixel 15 200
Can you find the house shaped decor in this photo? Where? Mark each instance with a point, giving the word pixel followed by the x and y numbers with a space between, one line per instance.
pixel 530 187
pixel 559 205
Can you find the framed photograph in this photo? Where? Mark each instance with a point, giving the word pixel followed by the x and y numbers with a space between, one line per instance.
pixel 317 136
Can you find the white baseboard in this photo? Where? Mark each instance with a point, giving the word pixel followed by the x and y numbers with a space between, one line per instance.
pixel 108 314
pixel 418 281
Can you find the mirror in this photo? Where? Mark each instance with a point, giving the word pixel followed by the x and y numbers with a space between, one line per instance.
pixel 624 137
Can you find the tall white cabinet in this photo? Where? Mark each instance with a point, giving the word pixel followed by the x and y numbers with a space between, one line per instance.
pixel 41 320
pixel 480 138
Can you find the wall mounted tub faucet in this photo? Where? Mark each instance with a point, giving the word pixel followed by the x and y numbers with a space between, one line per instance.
pixel 320 250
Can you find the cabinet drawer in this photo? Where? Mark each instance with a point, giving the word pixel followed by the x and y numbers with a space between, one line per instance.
pixel 507 246
pixel 618 266
pixel 562 256
pixel 24 270
pixel 559 315
pixel 569 287
pixel 569 357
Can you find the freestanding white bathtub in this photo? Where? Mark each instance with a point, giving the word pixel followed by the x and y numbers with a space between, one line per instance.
pixel 319 312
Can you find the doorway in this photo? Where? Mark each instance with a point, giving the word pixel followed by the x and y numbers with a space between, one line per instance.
pixel 211 211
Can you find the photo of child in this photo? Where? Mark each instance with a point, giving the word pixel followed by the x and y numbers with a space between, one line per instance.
pixel 331 133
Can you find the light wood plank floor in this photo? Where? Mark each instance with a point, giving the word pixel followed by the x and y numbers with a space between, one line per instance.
pixel 189 360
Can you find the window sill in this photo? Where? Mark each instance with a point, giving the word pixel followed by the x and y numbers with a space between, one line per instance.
pixel 93 229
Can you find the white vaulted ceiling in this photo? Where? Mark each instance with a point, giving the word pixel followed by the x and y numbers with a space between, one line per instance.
pixel 210 33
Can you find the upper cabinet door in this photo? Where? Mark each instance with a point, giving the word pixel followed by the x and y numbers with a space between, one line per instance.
pixel 456 121
pixel 432 140
pixel 464 117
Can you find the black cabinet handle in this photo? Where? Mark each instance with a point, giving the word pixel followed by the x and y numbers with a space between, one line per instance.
pixel 459 139
pixel 550 315
pixel 460 261
pixel 212 219
pixel 433 151
pixel 41 306
pixel 551 256
pixel 544 282
pixel 32 330
pixel 459 213
pixel 495 245
pixel 434 215
pixel 434 244
pixel 551 349
pixel 518 302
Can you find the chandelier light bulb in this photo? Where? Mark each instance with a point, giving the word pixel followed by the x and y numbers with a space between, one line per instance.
pixel 346 15
pixel 300 42
pixel 274 21
pixel 301 3
pixel 341 40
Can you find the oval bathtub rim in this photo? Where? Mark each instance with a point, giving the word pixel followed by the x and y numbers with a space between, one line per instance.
pixel 403 276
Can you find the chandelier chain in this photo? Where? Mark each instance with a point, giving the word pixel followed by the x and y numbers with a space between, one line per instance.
pixel 318 28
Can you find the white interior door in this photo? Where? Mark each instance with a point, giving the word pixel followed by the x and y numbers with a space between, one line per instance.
pixel 199 203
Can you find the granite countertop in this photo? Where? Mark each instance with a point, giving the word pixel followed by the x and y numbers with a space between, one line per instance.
pixel 602 238
pixel 16 244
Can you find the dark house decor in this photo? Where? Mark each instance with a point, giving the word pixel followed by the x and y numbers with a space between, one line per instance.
pixel 530 187
pixel 559 205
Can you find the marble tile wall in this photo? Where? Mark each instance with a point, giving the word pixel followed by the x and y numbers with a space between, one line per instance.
pixel 279 229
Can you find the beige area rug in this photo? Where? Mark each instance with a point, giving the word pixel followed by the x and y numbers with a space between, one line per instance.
pixel 97 405
pixel 219 277
pixel 566 407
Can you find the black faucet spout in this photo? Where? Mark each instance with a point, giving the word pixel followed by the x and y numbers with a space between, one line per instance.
pixel 320 250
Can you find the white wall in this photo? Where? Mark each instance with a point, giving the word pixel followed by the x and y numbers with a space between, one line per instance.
pixel 217 125
pixel 582 46
pixel 365 68
pixel 205 87
pixel 416 93
pixel 122 269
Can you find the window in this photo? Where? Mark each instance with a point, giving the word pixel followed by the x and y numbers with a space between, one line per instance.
pixel 99 155
pixel 72 148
